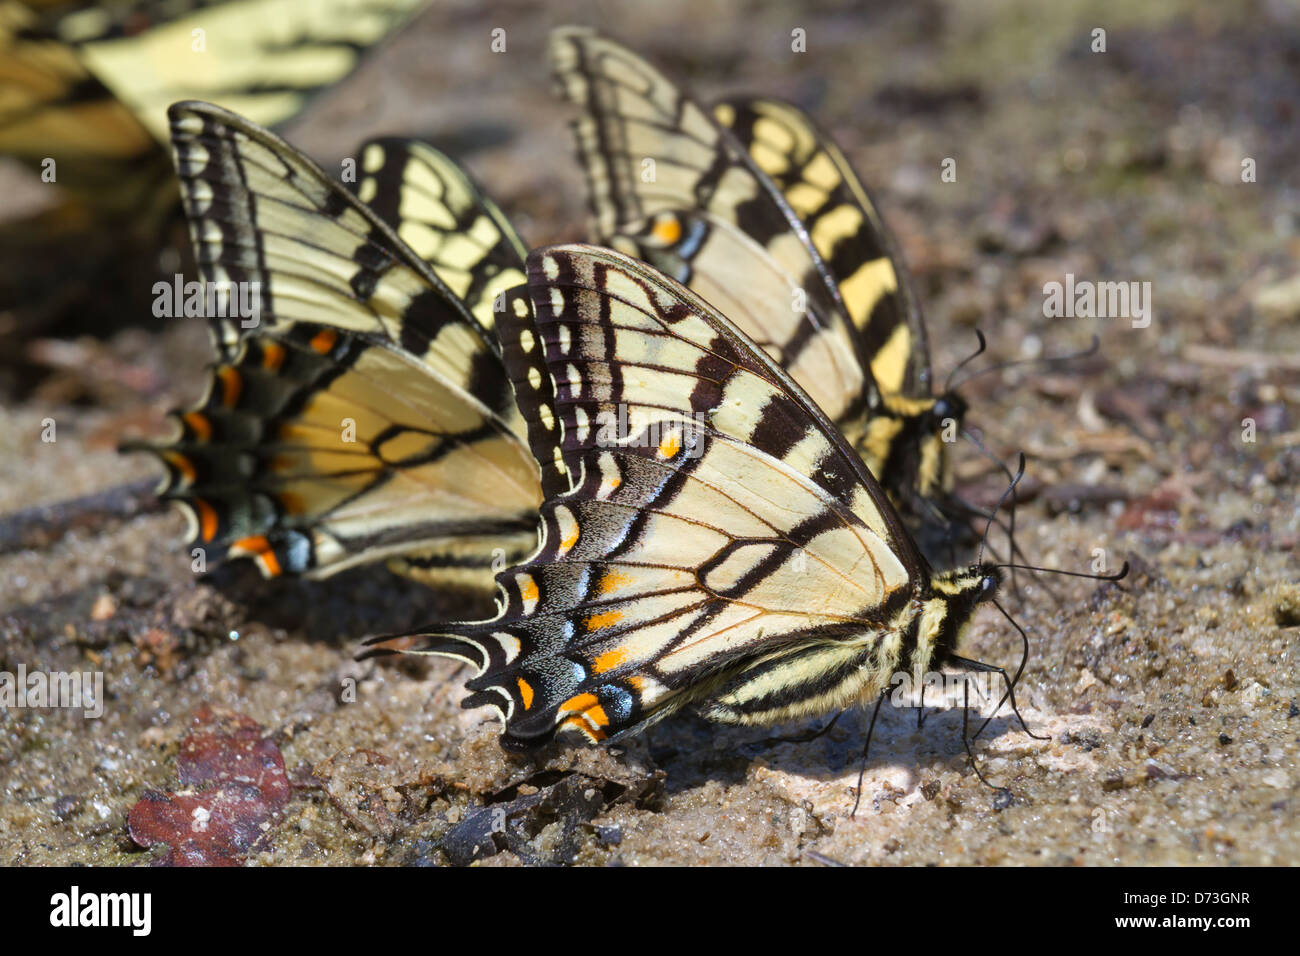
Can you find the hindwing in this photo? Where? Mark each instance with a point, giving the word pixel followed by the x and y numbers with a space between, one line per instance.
pixel 443 216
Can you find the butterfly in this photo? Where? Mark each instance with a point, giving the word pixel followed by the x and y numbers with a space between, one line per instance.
pixel 86 85
pixel 360 410
pixel 84 88
pixel 757 210
pixel 708 538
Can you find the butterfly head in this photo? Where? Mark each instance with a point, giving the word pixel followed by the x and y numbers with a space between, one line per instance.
pixel 954 597
pixel 948 409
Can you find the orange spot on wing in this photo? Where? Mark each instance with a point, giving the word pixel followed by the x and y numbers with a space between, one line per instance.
pixel 527 588
pixel 579 702
pixel 272 356
pixel 198 423
pixel 525 691
pixel 324 341
pixel 597 621
pixel 231 385
pixel 612 580
pixel 182 464
pixel 595 735
pixel 670 445
pixel 269 563
pixel 609 660
pixel 591 717
pixel 569 539
pixel 260 550
pixel 668 229
pixel 207 519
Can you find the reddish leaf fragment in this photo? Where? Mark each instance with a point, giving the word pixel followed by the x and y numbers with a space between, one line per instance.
pixel 227 747
pixel 234 787
pixel 1157 510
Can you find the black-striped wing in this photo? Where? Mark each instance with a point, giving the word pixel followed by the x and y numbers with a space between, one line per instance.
pixel 717 543
pixel 358 411
pixel 443 216
pixel 847 230
pixel 88 84
pixel 669 185
pixel 53 107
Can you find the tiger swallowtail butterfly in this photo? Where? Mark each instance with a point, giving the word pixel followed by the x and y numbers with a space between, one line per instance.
pixel 708 537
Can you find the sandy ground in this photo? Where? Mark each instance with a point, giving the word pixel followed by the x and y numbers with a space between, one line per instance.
pixel 1171 700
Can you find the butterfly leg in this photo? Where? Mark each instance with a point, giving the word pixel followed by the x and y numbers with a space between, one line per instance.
pixel 806 737
pixel 866 749
pixel 920 711
pixel 966 742
pixel 1009 695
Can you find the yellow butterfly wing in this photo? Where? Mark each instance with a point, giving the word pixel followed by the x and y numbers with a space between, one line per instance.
pixel 358 411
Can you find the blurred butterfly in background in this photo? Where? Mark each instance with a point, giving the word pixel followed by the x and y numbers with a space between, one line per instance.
pixel 366 414
pixel 84 89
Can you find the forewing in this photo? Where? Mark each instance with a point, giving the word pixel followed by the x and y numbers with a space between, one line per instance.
pixel 661 172
pixel 443 216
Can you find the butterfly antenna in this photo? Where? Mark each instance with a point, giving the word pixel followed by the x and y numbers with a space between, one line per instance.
pixel 1119 575
pixel 866 749
pixel 1020 473
pixel 1011 526
pixel 947 385
pixel 1050 360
